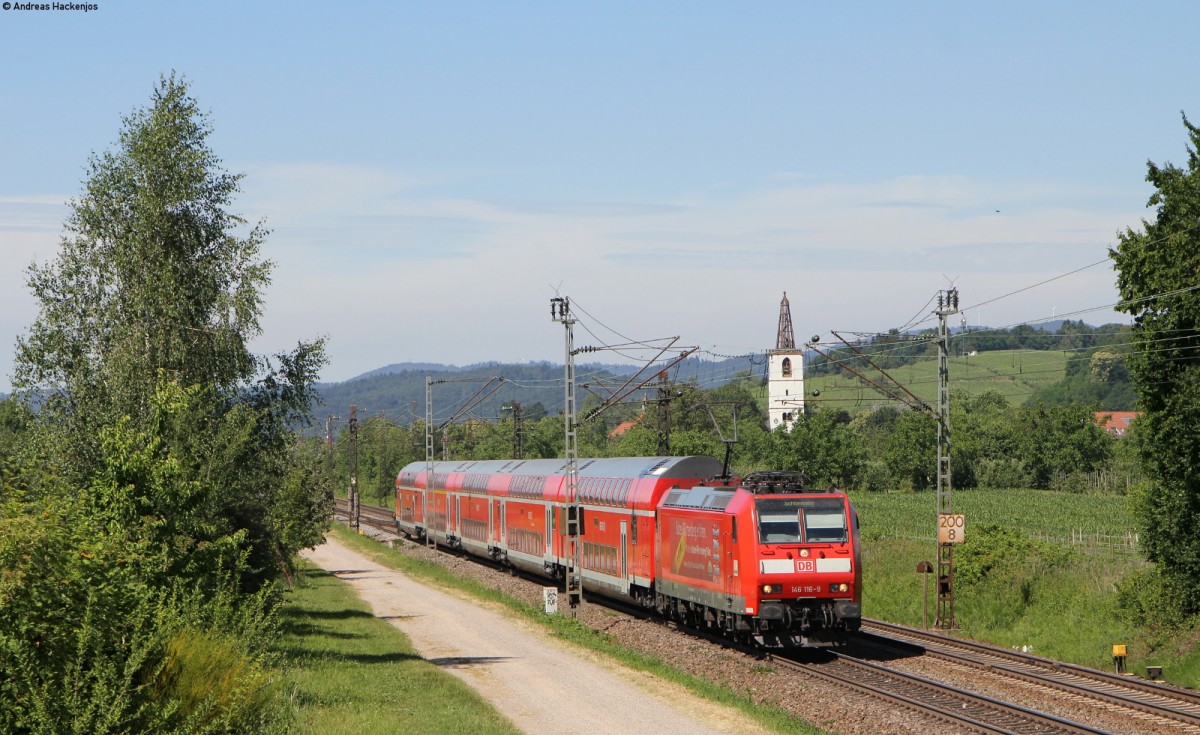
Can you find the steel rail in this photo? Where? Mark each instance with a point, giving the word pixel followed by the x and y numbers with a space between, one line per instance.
pixel 1172 704
pixel 976 711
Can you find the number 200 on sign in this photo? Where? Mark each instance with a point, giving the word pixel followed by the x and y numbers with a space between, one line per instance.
pixel 951 528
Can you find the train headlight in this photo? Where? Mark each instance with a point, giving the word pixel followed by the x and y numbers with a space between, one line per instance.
pixel 804 553
pixel 842 587
pixel 772 588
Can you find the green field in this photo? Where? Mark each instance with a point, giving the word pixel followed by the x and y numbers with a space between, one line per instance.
pixel 1039 513
pixel 1064 607
pixel 1060 593
pixel 1015 374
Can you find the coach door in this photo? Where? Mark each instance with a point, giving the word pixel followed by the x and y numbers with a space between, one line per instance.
pixel 503 526
pixel 624 551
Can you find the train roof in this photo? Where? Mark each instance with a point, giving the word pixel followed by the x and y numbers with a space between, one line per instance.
pixel 634 467
pixel 700 497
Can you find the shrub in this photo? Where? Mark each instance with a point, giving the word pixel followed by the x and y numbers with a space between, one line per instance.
pixel 876 478
pixel 216 685
pixel 1002 473
pixel 990 548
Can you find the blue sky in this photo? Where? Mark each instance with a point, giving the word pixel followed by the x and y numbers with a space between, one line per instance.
pixel 432 172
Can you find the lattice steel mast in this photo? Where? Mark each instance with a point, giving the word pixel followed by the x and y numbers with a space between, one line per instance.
pixel 947 306
pixel 560 311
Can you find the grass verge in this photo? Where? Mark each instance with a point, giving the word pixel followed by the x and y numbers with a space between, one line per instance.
pixel 1066 608
pixel 350 672
pixel 571 630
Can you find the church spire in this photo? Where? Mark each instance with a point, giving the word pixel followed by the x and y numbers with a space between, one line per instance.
pixel 785 340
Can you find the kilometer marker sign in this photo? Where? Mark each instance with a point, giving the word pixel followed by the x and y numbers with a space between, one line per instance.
pixel 952 528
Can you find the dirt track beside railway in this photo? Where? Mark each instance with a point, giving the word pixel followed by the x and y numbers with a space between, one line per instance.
pixel 540 683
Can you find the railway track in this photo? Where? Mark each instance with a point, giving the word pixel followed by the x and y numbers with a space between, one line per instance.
pixel 1153 700
pixel 383 519
pixel 965 710
pixel 973 712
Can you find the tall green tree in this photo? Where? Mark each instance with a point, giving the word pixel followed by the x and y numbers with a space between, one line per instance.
pixel 1156 274
pixel 15 420
pixel 911 450
pixel 1059 441
pixel 158 287
pixel 823 446
pixel 155 274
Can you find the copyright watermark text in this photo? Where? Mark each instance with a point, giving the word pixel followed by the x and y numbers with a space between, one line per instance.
pixel 73 7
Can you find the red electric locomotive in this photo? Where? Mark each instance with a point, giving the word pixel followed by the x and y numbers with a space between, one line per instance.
pixel 763 559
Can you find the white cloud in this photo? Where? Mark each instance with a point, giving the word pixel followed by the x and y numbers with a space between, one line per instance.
pixel 392 270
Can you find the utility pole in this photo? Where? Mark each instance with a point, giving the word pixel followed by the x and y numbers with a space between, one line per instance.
pixel 518 431
pixel 664 415
pixel 354 506
pixel 430 480
pixel 329 443
pixel 949 526
pixel 560 311
pixel 432 515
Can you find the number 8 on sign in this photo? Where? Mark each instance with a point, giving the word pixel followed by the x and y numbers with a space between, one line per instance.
pixel 951 528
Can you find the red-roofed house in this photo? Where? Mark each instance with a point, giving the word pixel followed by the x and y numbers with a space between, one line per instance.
pixel 623 427
pixel 1116 423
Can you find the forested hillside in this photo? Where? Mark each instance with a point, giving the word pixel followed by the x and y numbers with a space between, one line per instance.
pixel 397 392
pixel 1074 365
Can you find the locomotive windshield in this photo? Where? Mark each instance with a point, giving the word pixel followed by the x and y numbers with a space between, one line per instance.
pixel 801 520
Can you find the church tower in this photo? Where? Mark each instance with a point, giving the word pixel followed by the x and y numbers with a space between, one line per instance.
pixel 785 374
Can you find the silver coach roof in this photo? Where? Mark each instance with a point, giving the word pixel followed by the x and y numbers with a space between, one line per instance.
pixel 668 467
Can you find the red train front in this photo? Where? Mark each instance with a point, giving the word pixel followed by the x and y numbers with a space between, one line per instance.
pixel 763 559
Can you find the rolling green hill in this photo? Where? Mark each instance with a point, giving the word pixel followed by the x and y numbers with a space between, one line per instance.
pixel 1015 374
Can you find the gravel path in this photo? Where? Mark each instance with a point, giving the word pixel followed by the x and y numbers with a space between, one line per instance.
pixel 540 683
